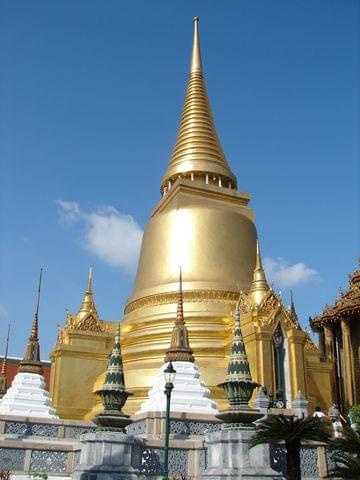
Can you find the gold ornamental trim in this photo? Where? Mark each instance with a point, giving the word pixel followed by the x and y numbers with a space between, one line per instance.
pixel 192 296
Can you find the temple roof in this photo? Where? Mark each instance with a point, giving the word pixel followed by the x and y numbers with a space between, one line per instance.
pixel 87 317
pixel 347 305
pixel 197 149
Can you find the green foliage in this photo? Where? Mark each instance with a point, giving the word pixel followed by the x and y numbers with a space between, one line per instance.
pixel 278 428
pixel 293 431
pixel 349 442
pixel 354 413
pixel 346 455
pixel 38 475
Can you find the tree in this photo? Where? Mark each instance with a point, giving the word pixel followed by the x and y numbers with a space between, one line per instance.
pixel 293 431
pixel 346 455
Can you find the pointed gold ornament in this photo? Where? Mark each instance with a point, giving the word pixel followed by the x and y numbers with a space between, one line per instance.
pixel 197 150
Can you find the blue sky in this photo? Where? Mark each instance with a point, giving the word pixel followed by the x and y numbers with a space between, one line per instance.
pixel 91 94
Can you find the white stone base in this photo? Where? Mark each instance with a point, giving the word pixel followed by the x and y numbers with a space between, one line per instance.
pixel 189 394
pixel 27 397
pixel 230 458
pixel 108 456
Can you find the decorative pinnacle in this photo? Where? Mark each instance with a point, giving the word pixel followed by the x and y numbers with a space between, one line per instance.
pixel 180 304
pixel 35 324
pixel 259 286
pixel 88 304
pixel 197 148
pixel 196 64
pixel 292 306
pixel 238 368
pixel 114 378
pixel 4 363
pixel 180 349
pixel 258 265
pixel 31 360
pixel 90 281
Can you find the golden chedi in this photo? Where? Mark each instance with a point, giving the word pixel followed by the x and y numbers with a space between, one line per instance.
pixel 202 224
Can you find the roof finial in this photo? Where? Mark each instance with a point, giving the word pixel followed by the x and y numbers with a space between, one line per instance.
pixel 259 286
pixel 4 363
pixel 197 151
pixel 180 303
pixel 292 306
pixel 31 360
pixel 90 281
pixel 35 324
pixel 3 385
pixel 88 304
pixel 196 64
pixel 258 264
pixel 180 349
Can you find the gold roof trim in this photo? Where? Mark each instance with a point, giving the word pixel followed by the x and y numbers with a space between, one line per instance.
pixel 197 148
pixel 346 305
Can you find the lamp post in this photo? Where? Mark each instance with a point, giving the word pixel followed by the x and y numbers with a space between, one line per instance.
pixel 169 374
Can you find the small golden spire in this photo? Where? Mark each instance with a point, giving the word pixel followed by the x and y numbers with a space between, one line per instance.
pixel 3 385
pixel 196 64
pixel 259 286
pixel 179 346
pixel 292 306
pixel 197 149
pixel 88 304
pixel 31 360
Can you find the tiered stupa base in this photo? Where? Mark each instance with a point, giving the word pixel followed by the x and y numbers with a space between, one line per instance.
pixel 27 397
pixel 189 394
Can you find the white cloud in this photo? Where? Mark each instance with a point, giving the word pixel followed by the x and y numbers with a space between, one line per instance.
pixel 3 311
pixel 285 275
pixel 112 236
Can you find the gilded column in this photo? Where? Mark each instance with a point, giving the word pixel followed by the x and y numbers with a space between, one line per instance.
pixel 329 343
pixel 348 362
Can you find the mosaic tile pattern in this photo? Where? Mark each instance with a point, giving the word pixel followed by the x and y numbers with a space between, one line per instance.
pixel 76 432
pixel 152 462
pixel 178 463
pixel 308 459
pixel 12 458
pixel 137 428
pixel 48 461
pixel 26 428
pixel 179 427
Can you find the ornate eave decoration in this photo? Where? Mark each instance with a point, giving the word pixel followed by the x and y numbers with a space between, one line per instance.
pixel 309 344
pixel 347 305
pixel 270 308
pixel 87 319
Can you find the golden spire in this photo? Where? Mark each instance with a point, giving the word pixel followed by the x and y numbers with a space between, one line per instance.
pixel 259 286
pixel 88 304
pixel 3 385
pixel 31 359
pixel 179 347
pixel 292 306
pixel 197 149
